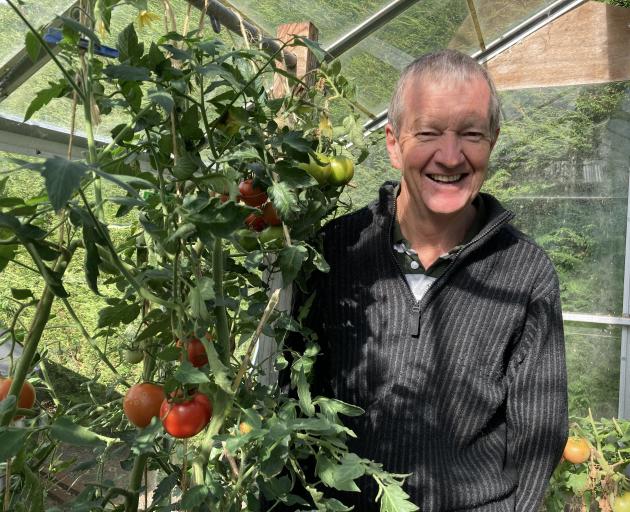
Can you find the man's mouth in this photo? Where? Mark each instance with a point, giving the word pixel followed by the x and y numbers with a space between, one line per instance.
pixel 444 178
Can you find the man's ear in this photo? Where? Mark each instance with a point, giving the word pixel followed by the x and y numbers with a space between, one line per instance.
pixel 393 148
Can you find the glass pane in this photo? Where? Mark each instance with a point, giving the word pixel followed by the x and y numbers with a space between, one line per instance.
pixel 331 17
pixel 495 17
pixel 593 368
pixel 376 62
pixel 561 163
pixel 14 30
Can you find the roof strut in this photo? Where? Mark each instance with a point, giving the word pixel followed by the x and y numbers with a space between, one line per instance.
pixel 510 38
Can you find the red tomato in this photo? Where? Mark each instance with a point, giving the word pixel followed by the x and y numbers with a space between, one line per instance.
pixel 142 402
pixel 196 353
pixel 270 215
pixel 255 222
pixel 250 195
pixel 186 418
pixel 27 394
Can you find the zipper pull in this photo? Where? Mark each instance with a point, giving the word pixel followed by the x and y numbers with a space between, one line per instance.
pixel 414 327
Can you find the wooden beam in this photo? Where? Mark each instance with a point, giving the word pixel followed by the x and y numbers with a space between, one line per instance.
pixel 306 61
pixel 587 45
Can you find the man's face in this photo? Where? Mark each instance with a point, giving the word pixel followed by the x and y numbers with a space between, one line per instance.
pixel 444 143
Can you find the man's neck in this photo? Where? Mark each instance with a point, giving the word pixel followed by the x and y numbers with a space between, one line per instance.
pixel 430 234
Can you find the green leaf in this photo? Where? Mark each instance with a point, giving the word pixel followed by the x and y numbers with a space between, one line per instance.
pixel 127 72
pixel 283 198
pixel 7 253
pixel 293 176
pixel 145 439
pixel 128 47
pixel 340 476
pixel 11 441
pixel 188 374
pixel 44 97
pixel 304 394
pixel 80 28
pixel 295 141
pixel 92 257
pixel 62 178
pixel 32 45
pixel 194 497
pixel 162 98
pixel 218 369
pixel 394 499
pixel 577 482
pixel 198 308
pixel 65 430
pixel 290 261
pixel 318 52
pixel 21 293
pixel 111 316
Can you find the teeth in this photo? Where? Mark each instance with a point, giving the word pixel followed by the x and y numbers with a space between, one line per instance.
pixel 446 179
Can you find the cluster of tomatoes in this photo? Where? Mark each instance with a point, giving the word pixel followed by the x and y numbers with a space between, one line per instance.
pixel 257 198
pixel 182 414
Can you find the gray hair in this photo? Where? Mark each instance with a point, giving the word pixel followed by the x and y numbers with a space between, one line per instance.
pixel 439 65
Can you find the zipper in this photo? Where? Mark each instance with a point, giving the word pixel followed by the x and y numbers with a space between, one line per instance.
pixel 418 306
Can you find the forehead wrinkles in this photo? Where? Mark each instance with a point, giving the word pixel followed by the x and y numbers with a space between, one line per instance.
pixel 464 113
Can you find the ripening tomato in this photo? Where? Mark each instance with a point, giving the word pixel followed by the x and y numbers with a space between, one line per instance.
pixel 577 450
pixel 27 394
pixel 186 418
pixel 251 195
pixel 196 352
pixel 622 503
pixel 255 222
pixel 318 168
pixel 270 215
pixel 142 402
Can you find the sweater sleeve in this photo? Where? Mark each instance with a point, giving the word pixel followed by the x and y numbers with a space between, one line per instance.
pixel 537 414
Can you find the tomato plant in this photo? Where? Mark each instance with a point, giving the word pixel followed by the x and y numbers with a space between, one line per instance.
pixel 186 418
pixel 170 257
pixel 142 402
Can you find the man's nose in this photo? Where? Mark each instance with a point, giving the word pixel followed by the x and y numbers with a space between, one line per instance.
pixel 450 152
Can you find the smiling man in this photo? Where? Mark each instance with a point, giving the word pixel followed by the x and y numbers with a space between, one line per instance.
pixel 441 319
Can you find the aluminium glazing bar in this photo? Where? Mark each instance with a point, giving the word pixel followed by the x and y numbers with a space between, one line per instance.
pixel 624 370
pixel 587 318
pixel 370 25
pixel 510 38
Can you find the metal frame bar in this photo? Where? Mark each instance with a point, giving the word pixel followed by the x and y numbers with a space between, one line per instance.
pixel 499 45
pixel 367 27
pixel 19 68
pixel 624 370
pixel 586 318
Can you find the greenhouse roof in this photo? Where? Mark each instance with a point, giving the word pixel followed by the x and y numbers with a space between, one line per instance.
pixel 373 39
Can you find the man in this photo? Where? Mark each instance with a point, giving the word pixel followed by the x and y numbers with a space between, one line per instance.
pixel 441 319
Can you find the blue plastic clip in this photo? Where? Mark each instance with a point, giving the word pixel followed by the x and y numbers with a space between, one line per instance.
pixel 55 35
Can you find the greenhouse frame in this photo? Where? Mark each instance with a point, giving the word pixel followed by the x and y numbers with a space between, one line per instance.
pixel 562 163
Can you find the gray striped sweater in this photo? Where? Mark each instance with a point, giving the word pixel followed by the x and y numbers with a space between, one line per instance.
pixel 466 390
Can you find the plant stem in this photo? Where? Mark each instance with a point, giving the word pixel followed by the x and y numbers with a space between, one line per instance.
pixel 92 343
pixel 42 314
pixel 220 311
pixel 132 499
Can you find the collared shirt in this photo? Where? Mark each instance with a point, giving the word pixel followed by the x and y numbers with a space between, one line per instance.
pixel 419 278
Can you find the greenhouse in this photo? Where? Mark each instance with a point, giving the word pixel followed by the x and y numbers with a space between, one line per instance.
pixel 193 315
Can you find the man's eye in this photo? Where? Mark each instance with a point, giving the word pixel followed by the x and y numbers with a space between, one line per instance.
pixel 473 136
pixel 427 134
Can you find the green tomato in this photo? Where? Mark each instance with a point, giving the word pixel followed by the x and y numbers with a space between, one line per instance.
pixel 341 170
pixel 321 173
pixel 622 503
pixel 247 239
pixel 133 356
pixel 271 234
